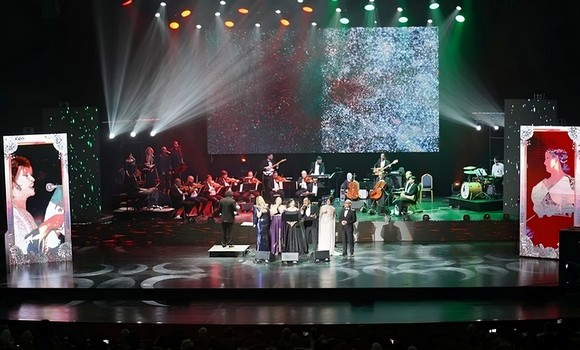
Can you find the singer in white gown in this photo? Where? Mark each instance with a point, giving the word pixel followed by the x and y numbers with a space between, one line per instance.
pixel 326 227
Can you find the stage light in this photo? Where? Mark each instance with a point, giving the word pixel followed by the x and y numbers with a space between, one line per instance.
pixel 244 160
pixel 496 127
pixel 399 9
pixel 157 15
pixel 229 24
pixel 486 217
pixel 307 9
pixel 111 136
pixel 257 25
pixel 314 24
pixel 133 134
pixel 403 19
pixel 162 4
pixel 127 3
pixel 299 1
pixel 153 133
pixel 185 13
pixel 278 12
pixel 285 22
pixel 222 2
pixel 369 7
pixel 478 127
pixel 338 9
pixel 217 14
pixel 458 8
pixel 344 20
pixel 243 11
pixel 426 217
pixel 429 21
pixel 371 0
pixel 173 25
pixel 466 217
pixel 460 18
pixel 198 26
pixel 434 5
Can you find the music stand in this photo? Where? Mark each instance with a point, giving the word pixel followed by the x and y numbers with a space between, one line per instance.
pixel 336 175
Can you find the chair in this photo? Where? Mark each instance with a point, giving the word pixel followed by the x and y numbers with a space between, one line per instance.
pixel 427 184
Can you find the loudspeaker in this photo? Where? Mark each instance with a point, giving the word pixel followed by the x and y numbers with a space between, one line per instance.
pixel 321 255
pixel 289 257
pixel 264 256
pixel 569 270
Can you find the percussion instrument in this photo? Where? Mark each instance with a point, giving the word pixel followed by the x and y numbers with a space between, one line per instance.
pixel 470 189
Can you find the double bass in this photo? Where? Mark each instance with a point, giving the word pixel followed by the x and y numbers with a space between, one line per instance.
pixel 352 190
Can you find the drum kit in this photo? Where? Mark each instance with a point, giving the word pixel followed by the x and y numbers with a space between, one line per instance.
pixel 479 185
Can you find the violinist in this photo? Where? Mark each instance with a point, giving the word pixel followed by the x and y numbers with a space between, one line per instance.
pixel 250 187
pixel 211 189
pixel 302 184
pixel 278 189
pixel 193 194
pixel 227 183
pixel 178 200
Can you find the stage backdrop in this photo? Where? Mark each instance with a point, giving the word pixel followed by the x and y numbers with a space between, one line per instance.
pixel 548 196
pixel 37 199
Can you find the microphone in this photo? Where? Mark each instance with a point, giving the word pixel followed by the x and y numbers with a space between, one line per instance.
pixel 50 187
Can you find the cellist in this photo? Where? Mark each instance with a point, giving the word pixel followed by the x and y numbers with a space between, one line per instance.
pixel 352 191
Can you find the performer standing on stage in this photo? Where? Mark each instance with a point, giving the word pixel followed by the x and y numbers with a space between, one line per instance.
pixel 149 168
pixel 317 167
pixel 267 176
pixel 262 223
pixel 227 209
pixel 309 221
pixel 164 169
pixel 497 171
pixel 347 219
pixel 177 163
pixel 326 227
pixel 381 166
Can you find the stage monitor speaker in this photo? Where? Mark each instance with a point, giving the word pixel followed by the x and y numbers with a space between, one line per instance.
pixel 289 257
pixel 321 255
pixel 569 270
pixel 264 256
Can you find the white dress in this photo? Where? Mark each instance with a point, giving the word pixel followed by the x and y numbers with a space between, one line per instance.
pixel 326 228
pixel 557 200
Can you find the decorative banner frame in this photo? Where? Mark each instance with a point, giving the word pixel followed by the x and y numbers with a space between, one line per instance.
pixel 549 199
pixel 43 234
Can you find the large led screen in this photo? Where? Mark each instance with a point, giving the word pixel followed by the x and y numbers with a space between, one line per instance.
pixel 357 90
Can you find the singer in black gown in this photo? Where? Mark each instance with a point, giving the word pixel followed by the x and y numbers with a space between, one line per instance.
pixel 295 241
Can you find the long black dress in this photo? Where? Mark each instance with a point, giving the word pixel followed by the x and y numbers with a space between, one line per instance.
pixel 295 241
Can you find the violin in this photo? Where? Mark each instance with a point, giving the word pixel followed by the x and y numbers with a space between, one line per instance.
pixel 308 179
pixel 281 179
pixel 353 189
pixel 251 180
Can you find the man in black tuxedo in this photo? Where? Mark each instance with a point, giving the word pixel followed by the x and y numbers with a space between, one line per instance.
pixel 317 167
pixel 309 221
pixel 227 209
pixel 408 196
pixel 347 219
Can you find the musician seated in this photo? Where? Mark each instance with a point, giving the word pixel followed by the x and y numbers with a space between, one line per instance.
pixel 302 184
pixel 228 183
pixel 132 188
pixel 314 190
pixel 193 191
pixel 278 188
pixel 249 189
pixel 408 196
pixel 181 206
pixel 210 191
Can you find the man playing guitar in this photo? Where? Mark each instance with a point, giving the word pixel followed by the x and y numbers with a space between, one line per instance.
pixel 380 167
pixel 268 166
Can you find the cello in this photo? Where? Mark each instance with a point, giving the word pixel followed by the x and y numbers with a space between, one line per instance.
pixel 377 191
pixel 352 190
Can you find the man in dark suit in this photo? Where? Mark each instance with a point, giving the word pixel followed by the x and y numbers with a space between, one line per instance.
pixel 268 169
pixel 408 196
pixel 317 167
pixel 309 222
pixel 347 219
pixel 227 209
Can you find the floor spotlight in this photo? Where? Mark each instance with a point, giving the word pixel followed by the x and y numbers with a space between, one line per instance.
pixel 486 216
pixel 133 133
pixel 426 217
pixel 466 217
pixel 403 19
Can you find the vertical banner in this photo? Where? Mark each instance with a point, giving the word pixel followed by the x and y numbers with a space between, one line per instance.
pixel 548 196
pixel 37 199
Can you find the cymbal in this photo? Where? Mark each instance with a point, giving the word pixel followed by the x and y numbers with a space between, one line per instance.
pixel 470 167
pixel 470 172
